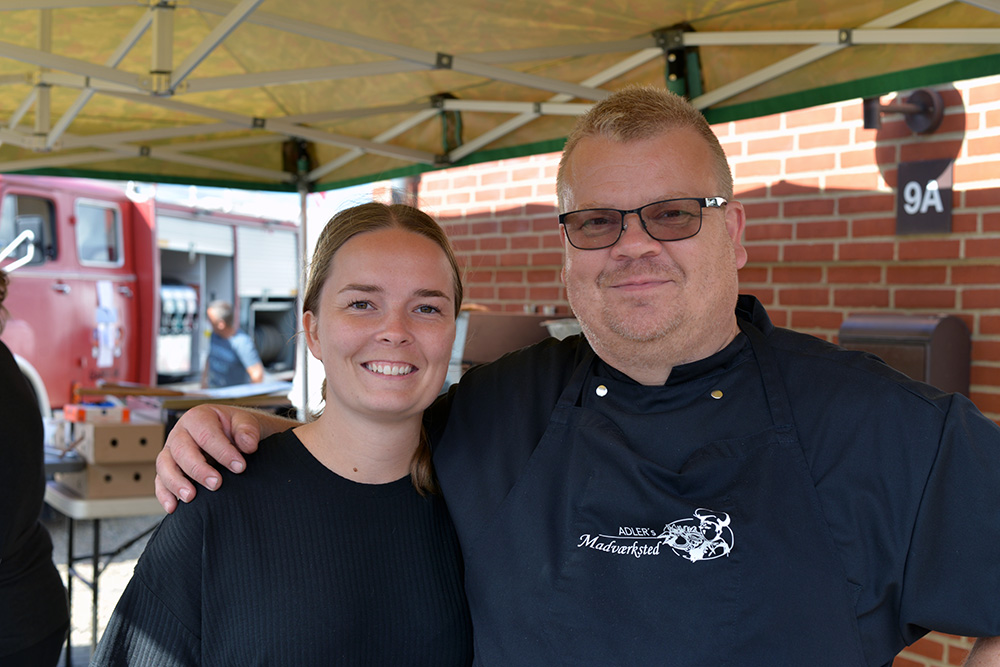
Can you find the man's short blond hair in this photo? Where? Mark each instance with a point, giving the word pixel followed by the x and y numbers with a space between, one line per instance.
pixel 642 112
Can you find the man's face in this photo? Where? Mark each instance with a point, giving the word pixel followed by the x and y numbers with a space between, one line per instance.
pixel 217 324
pixel 643 297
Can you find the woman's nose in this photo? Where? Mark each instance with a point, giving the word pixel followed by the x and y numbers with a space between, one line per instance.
pixel 395 329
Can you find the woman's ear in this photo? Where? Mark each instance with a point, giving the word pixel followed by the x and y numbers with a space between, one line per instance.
pixel 311 325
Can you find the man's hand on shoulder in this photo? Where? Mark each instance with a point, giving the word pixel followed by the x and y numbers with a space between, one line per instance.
pixel 222 432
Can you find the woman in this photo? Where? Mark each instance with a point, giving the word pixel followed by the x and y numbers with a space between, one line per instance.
pixel 353 559
pixel 33 612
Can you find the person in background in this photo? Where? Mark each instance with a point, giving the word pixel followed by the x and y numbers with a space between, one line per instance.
pixel 686 483
pixel 232 356
pixel 336 549
pixel 34 616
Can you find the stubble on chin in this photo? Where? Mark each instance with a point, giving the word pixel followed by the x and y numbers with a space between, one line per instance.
pixel 635 318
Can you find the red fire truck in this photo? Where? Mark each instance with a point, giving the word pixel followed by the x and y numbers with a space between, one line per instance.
pixel 107 289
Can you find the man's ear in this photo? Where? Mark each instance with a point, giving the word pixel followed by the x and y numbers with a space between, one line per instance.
pixel 736 221
pixel 311 325
pixel 562 272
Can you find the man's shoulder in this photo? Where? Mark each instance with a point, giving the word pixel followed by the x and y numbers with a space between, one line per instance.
pixel 531 377
pixel 829 368
pixel 549 362
pixel 240 338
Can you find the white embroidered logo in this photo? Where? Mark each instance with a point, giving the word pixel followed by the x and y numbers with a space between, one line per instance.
pixel 705 536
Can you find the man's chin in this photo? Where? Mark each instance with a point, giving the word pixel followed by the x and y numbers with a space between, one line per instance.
pixel 639 329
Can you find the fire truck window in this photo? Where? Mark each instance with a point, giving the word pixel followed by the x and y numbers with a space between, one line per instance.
pixel 98 234
pixel 19 212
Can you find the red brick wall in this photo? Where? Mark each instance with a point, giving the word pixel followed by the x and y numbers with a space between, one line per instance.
pixel 501 217
pixel 819 191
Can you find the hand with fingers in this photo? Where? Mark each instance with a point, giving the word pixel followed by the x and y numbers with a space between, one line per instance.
pixel 223 433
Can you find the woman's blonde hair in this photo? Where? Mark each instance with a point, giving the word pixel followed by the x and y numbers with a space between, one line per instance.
pixel 371 217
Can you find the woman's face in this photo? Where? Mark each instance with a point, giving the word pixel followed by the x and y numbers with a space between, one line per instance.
pixel 385 325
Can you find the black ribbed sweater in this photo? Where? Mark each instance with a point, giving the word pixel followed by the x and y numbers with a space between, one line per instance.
pixel 291 564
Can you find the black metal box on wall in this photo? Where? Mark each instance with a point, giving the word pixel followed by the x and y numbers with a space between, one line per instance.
pixel 936 349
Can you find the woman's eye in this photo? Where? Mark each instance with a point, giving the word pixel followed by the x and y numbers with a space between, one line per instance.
pixel 359 305
pixel 428 310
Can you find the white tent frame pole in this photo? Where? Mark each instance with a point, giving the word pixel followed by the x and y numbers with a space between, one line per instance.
pixel 779 68
pixel 305 75
pixel 628 64
pixel 832 37
pixel 360 112
pixel 238 142
pixel 162 57
pixel 19 138
pixel 220 165
pixel 289 129
pixel 538 108
pixel 355 153
pixel 115 152
pixel 157 134
pixel 43 106
pixel 301 350
pixel 988 5
pixel 563 51
pixel 134 35
pixel 22 109
pixel 811 55
pixel 218 34
pixel 319 136
pixel 74 66
pixel 52 160
pixel 428 59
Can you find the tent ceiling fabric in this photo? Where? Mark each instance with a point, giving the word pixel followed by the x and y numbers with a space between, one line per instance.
pixel 212 91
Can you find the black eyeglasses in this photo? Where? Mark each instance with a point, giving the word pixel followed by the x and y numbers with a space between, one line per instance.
pixel 667 220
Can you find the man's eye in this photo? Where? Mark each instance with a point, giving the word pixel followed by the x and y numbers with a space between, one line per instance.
pixel 671 215
pixel 597 222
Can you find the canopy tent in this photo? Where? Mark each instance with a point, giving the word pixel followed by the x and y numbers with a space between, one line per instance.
pixel 316 94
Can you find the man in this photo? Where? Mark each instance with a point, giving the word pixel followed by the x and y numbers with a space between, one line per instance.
pixel 689 485
pixel 232 356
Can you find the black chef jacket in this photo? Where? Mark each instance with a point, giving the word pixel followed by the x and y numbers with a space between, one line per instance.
pixel 783 501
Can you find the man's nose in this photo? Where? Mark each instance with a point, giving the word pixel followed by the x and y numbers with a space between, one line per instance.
pixel 635 241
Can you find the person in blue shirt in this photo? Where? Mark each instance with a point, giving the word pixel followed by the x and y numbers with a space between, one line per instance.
pixel 232 356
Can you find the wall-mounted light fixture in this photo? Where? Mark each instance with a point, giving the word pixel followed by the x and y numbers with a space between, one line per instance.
pixel 923 109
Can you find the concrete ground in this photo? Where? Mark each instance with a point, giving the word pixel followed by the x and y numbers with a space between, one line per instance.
pixel 113 579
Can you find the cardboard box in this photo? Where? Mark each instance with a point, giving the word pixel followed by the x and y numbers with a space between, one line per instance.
pixel 98 413
pixel 122 480
pixel 133 442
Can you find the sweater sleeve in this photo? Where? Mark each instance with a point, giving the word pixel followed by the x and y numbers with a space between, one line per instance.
pixel 143 631
pixel 158 618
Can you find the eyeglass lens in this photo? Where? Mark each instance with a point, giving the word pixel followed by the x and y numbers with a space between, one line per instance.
pixel 671 220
